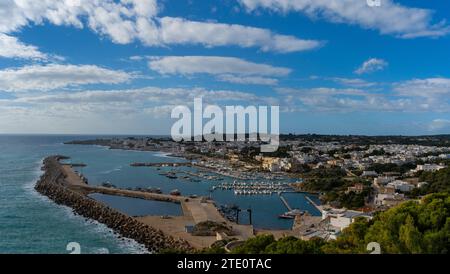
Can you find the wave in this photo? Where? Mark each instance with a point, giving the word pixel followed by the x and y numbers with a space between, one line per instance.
pixel 37 173
pixel 164 155
pixel 125 244
pixel 111 171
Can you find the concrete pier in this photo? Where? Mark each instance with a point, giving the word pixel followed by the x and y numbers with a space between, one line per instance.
pixel 314 204
pixel 285 203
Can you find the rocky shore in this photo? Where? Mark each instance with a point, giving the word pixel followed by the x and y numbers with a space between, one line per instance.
pixel 52 184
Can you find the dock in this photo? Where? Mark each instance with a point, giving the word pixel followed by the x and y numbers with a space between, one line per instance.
pixel 314 204
pixel 285 203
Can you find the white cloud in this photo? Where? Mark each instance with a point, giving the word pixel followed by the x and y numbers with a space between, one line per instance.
pixel 322 91
pixel 110 110
pixel 372 65
pixel 135 111
pixel 247 80
pixel 100 15
pixel 351 100
pixel 127 21
pixel 438 88
pixel 439 124
pixel 347 82
pixel 134 100
pixel 11 47
pixel 215 65
pixel 181 31
pixel 353 82
pixel 47 77
pixel 389 18
pixel 332 100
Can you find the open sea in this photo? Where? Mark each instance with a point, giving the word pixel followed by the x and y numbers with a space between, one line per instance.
pixel 31 223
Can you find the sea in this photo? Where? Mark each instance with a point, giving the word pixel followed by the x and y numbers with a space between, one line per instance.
pixel 32 224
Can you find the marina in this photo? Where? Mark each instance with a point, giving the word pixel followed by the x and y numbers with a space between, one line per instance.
pixel 260 194
pixel 168 164
pixel 254 188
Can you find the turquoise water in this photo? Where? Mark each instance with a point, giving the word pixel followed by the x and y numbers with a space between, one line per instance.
pixel 30 223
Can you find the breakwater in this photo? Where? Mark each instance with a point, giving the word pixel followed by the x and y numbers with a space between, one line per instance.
pixel 53 185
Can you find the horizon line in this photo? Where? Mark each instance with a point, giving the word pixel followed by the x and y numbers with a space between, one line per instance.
pixel 168 135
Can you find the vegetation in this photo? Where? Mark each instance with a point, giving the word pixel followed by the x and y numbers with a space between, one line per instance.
pixel 266 244
pixel 381 168
pixel 333 185
pixel 352 200
pixel 438 181
pixel 409 228
pixel 210 228
pixel 323 184
pixel 324 179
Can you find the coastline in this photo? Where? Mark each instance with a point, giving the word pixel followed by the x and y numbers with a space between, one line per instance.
pixel 53 185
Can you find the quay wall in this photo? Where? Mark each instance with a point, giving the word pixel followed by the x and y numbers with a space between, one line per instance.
pixel 52 184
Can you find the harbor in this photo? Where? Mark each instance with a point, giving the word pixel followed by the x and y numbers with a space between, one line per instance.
pixel 258 193
pixel 195 210
pixel 254 188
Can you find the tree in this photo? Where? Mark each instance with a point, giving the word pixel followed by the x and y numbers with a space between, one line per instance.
pixel 292 245
pixel 410 236
pixel 438 181
pixel 256 245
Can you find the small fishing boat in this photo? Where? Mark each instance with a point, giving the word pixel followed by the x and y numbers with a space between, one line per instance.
pixel 175 192
pixel 286 216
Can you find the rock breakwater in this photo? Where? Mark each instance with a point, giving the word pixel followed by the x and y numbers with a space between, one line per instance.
pixel 53 185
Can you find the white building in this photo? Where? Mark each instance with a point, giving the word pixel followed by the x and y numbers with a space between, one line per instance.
pixel 369 173
pixel 389 199
pixel 383 180
pixel 429 167
pixel 402 186
pixel 341 219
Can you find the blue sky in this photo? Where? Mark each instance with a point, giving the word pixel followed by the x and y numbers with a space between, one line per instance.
pixel 119 67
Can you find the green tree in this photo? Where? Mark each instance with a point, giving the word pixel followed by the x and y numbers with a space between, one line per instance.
pixel 411 237
pixel 256 245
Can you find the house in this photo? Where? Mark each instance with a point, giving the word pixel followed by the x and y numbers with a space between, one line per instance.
pixel 357 188
pixel 272 164
pixel 285 164
pixel 383 180
pixel 429 167
pixel 369 173
pixel 402 186
pixel 341 219
pixel 389 199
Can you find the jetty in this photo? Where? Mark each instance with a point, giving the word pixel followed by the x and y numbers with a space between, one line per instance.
pixel 285 203
pixel 314 203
